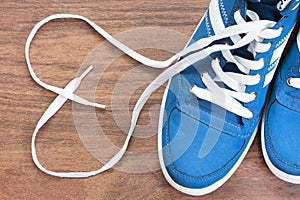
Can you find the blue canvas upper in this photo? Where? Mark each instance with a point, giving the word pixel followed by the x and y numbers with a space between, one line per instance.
pixel 282 117
pixel 202 141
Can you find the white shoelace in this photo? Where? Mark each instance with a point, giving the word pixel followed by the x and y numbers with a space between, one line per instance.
pixel 295 82
pixel 229 99
pixel 255 31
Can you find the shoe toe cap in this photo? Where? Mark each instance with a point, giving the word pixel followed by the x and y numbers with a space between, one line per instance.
pixel 195 154
pixel 282 138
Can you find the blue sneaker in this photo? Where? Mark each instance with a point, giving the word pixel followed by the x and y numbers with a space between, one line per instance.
pixel 211 110
pixel 281 123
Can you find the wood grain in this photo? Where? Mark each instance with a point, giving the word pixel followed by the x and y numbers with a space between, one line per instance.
pixel 58 51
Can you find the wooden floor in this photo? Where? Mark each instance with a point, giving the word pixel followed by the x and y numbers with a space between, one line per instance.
pixel 58 52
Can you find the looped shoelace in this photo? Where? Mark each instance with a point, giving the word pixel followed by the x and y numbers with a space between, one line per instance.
pixel 254 31
pixel 229 99
pixel 295 82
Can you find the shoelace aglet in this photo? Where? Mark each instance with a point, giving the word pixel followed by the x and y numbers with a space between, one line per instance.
pixel 85 73
pixel 97 105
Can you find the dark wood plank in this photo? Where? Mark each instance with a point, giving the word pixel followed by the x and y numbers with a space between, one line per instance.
pixel 57 54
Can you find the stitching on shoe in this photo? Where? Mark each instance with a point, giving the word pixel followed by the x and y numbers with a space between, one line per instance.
pixel 223 11
pixel 272 148
pixel 207 25
pixel 282 84
pixel 197 178
pixel 216 128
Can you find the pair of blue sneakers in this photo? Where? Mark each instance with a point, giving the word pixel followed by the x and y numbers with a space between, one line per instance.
pixel 215 95
pixel 211 110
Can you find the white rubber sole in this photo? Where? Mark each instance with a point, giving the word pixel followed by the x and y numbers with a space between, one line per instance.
pixel 193 191
pixel 277 172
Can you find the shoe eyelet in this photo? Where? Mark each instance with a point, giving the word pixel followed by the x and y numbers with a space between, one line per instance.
pixel 254 93
pixel 216 58
pixel 202 74
pixel 263 60
pixel 270 43
pixel 249 118
pixel 191 88
pixel 237 9
pixel 288 82
pixel 259 75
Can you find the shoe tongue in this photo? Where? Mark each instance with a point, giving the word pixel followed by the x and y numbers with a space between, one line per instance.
pixel 266 9
pixel 268 2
